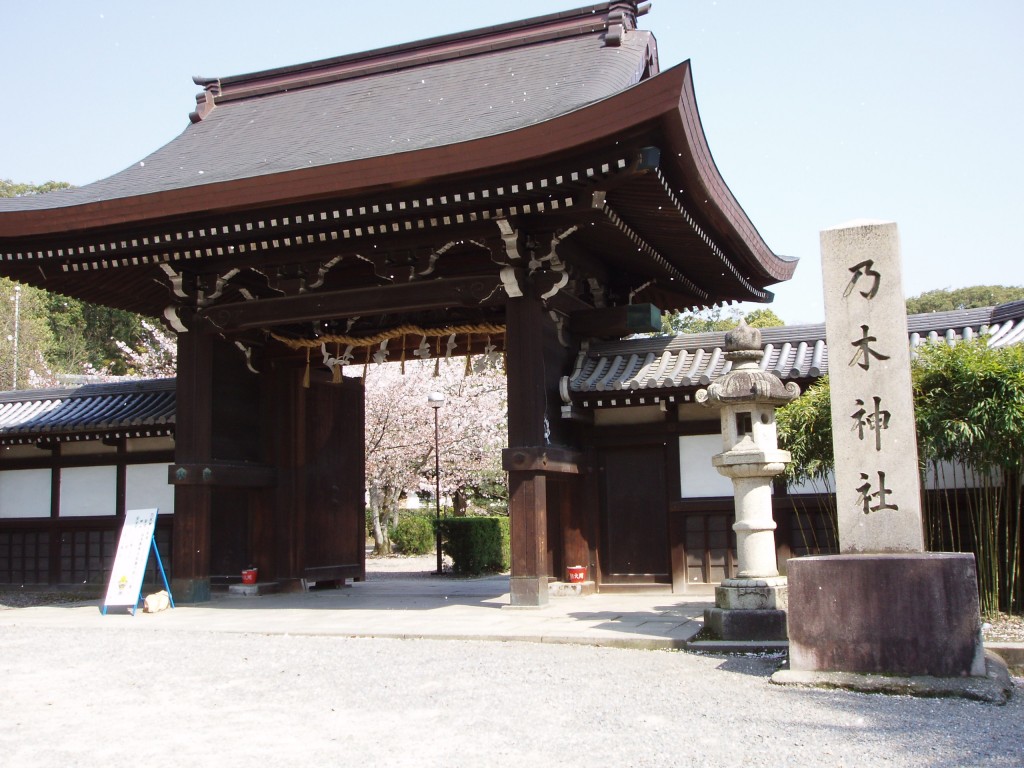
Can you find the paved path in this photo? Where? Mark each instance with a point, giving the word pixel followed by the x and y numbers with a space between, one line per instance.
pixel 440 608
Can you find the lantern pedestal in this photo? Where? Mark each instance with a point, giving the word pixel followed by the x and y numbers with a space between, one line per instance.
pixel 749 609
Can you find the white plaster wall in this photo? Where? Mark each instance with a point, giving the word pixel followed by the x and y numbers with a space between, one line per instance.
pixel 87 491
pixel 818 486
pixel 25 493
pixel 697 478
pixel 146 487
pixel 949 475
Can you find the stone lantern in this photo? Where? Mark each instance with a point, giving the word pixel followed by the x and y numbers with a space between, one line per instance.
pixel 751 606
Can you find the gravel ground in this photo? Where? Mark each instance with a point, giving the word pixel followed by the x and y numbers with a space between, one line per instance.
pixel 116 697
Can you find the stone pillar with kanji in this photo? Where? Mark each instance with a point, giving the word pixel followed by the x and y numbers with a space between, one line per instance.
pixel 751 606
pixel 883 614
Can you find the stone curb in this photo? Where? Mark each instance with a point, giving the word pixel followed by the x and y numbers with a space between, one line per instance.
pixel 738 646
pixel 1011 653
pixel 996 687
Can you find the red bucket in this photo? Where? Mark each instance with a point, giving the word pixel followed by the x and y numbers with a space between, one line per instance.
pixel 577 574
pixel 249 576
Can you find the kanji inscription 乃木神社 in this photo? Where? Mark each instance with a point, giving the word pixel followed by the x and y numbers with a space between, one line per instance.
pixel 877 482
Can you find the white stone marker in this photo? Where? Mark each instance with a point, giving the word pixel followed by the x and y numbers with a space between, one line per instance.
pixel 878 494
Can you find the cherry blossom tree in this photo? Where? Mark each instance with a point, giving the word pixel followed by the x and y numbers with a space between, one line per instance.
pixel 155 356
pixel 400 434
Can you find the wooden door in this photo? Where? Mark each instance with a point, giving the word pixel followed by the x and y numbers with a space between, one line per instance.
pixel 335 527
pixel 634 541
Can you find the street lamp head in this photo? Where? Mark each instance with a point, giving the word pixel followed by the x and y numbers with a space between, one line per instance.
pixel 435 399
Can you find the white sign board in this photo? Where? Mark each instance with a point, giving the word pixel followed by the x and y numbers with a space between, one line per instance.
pixel 130 561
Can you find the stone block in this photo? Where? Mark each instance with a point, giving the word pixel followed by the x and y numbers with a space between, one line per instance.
pixel 253 590
pixel 726 624
pixel 893 614
pixel 528 591
pixel 571 589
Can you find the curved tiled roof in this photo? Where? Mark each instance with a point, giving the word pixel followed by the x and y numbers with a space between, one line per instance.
pixel 664 363
pixel 347 109
pixel 561 122
pixel 95 411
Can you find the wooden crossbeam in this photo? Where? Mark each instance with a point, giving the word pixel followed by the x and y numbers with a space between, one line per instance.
pixel 405 297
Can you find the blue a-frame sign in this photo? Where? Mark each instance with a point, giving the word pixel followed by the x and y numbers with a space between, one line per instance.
pixel 138 538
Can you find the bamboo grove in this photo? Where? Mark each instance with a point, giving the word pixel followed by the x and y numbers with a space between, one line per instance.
pixel 969 408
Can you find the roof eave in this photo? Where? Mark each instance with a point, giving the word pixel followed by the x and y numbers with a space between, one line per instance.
pixel 661 110
pixel 684 130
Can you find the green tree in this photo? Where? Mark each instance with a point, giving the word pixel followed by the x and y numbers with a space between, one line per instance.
pixel 709 320
pixel 10 189
pixel 805 430
pixel 763 318
pixel 969 406
pixel 946 299
pixel 88 335
pixel 25 337
pixel 81 335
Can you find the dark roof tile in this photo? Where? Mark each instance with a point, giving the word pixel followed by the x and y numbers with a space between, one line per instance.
pixel 93 411
pixel 663 363
pixel 429 105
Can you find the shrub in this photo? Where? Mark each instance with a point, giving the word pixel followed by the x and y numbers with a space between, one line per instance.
pixel 476 544
pixel 414 535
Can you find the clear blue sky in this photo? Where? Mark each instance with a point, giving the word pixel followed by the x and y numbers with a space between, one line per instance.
pixel 817 112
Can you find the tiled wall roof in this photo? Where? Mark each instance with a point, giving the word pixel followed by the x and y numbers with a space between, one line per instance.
pixel 665 363
pixel 95 411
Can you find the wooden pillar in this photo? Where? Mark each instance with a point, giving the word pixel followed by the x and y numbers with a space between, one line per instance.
pixel 193 445
pixel 524 355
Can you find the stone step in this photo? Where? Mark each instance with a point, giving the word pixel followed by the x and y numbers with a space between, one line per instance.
pixel 571 589
pixel 636 589
pixel 253 590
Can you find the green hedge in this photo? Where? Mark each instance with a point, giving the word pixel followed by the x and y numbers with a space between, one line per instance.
pixel 476 544
pixel 414 535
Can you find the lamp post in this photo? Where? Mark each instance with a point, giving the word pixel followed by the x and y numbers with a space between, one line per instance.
pixel 435 400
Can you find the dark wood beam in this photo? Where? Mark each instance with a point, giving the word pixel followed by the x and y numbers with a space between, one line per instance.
pixel 542 459
pixel 616 322
pixel 222 474
pixel 405 297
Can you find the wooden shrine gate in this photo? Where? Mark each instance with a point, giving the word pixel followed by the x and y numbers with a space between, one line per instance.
pixel 542 176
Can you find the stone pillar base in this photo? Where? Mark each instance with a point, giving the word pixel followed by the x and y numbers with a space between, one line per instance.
pixel 186 591
pixel 749 609
pixel 745 624
pixel 528 591
pixel 891 614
